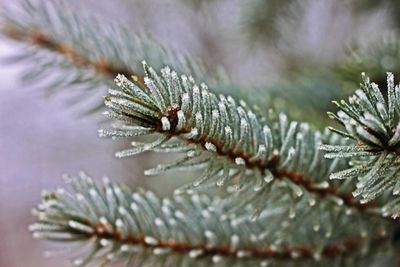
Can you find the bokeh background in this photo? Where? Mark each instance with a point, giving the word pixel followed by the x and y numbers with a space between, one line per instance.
pixel 258 42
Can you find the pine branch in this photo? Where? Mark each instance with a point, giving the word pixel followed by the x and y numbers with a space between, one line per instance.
pixel 229 141
pixel 373 123
pixel 317 89
pixel 73 49
pixel 47 42
pixel 269 22
pixel 116 225
pixel 374 59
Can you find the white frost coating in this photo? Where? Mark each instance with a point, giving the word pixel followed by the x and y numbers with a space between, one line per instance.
pixel 240 161
pixel 204 86
pixel 242 103
pixel 93 192
pixel 291 152
pixel 131 248
pixel 109 192
pixel 195 198
pixel 299 136
pixel 211 237
pixel 104 242
pixel 196 90
pixel 179 214
pixel 118 191
pixel 363 233
pixel 396 137
pixel 155 92
pixel 193 133
pixel 119 223
pixel 210 146
pixel 230 99
pixel 216 259
pixel 267 137
pixel 222 107
pixel 205 213
pixel 122 211
pixel 196 99
pixel 292 213
pixel 151 241
pixel 36 235
pixel 167 70
pixel 199 120
pixel 317 256
pixel 185 102
pixel 181 120
pixel 328 234
pixel 110 256
pixel 159 222
pixel 103 220
pixel 80 227
pixel 294 254
pixel 60 191
pixel 234 242
pixel 161 251
pixel 166 210
pixel 77 262
pixel 119 80
pixel 243 254
pixel 195 253
pixel 166 126
pixel 244 127
pixel 296 189
pixel 396 190
pixel 136 196
pixel 268 177
pixel 80 197
pixel 273 248
pixel 178 191
pixel 322 185
pixel 215 114
pixel 204 93
pixel 172 222
pixel 191 153
pixel 125 248
pixel 134 207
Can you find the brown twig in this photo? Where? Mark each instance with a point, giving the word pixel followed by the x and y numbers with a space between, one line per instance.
pixel 101 65
pixel 296 252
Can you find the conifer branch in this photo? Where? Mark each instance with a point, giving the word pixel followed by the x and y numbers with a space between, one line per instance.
pixel 281 208
pixel 229 141
pixel 372 122
pixel 74 49
pixel 121 226
pixel 44 41
pixel 375 60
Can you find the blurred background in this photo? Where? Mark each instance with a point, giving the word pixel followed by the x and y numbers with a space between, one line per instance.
pixel 293 55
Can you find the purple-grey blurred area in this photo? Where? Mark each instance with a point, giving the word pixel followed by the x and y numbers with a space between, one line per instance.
pixel 41 138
